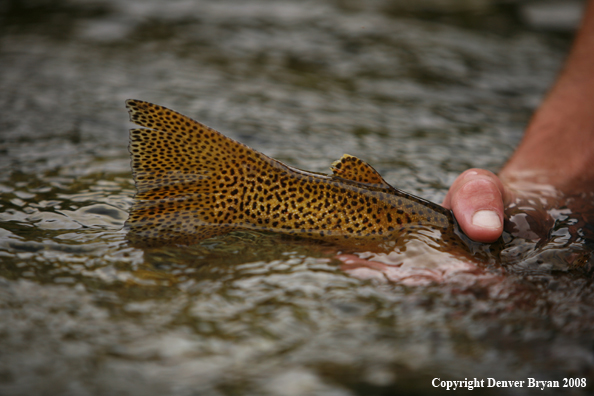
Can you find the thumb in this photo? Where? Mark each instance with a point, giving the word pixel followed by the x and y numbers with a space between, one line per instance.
pixel 476 198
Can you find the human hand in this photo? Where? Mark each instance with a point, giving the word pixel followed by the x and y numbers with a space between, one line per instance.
pixel 477 199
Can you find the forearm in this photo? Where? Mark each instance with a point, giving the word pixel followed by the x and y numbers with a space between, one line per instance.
pixel 558 146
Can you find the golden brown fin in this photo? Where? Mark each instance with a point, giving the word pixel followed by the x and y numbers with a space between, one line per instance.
pixel 183 171
pixel 352 168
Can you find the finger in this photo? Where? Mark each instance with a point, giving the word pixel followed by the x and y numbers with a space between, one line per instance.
pixel 476 198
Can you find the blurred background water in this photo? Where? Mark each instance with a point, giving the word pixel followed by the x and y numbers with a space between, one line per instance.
pixel 421 90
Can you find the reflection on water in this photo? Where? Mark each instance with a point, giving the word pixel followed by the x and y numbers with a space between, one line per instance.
pixel 422 94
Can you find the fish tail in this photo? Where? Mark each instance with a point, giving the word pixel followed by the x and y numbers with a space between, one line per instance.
pixel 190 179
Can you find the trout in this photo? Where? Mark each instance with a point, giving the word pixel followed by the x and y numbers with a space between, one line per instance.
pixel 194 183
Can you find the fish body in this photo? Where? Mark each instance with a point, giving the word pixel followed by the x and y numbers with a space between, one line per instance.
pixel 195 183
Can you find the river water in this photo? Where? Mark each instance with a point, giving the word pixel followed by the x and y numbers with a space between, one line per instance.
pixel 420 93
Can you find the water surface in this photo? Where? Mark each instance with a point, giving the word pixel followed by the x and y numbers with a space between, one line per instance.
pixel 419 95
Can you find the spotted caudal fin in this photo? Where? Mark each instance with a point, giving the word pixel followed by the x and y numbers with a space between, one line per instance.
pixel 186 175
pixel 352 168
